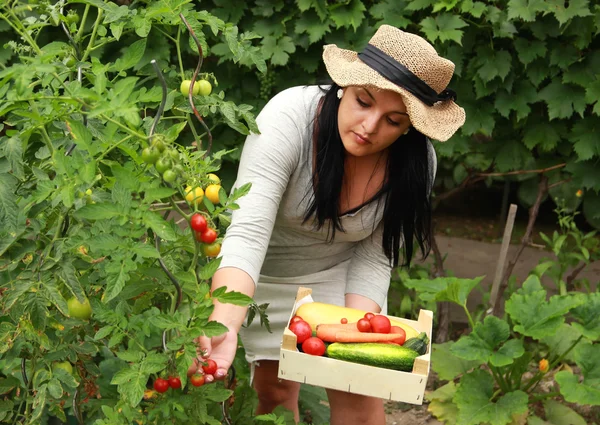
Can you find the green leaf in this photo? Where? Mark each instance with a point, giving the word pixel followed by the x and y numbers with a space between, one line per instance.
pixel 211 329
pixel 209 269
pixel 419 4
pixel 310 24
pixel 481 344
pixel 576 392
pixel 559 414
pixel 159 225
pixel 480 119
pixel 441 404
pixel 587 316
pixel 158 193
pixel 452 289
pixel 9 211
pixel 154 363
pixel 592 94
pixel 131 384
pixel 562 339
pixel 391 12
pixel 565 13
pixel 231 297
pixel 585 173
pixel 494 63
pixel 585 137
pixel 99 211
pixel 474 8
pixel 528 50
pixel 525 9
pixel 443 27
pixel 564 57
pixel 512 155
pixel 473 398
pixel 547 135
pixel 133 54
pixel 278 50
pixel 13 150
pixel 82 137
pixel 533 315
pixel 115 280
pixel 563 99
pixel 446 364
pixel 348 15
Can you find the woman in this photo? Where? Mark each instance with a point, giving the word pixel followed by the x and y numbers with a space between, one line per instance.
pixel 340 181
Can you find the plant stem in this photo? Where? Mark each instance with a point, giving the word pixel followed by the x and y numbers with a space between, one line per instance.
pixel 179 210
pixel 178 46
pixel 543 396
pixel 471 323
pixel 82 24
pixel 45 136
pixel 112 147
pixel 93 37
pixel 498 378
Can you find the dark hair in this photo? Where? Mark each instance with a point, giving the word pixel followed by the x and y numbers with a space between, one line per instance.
pixel 406 189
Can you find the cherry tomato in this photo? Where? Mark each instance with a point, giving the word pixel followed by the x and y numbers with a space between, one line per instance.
pixel 302 330
pixel 194 195
pixel 212 250
pixel 197 380
pixel 161 385
pixel 175 382
pixel 185 87
pixel 163 164
pixel 150 155
pixel 380 324
pixel 344 321
pixel 369 316
pixel 204 87
pixel 208 236
pixel 79 310
pixel 363 325
pixel 210 368
pixel 159 143
pixel 198 223
pixel 212 193
pixel 314 346
pixel 169 176
pixel 296 319
pixel 213 178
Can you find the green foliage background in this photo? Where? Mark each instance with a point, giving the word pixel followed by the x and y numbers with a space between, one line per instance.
pixel 527 74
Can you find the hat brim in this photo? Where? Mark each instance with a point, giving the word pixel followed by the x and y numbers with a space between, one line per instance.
pixel 438 122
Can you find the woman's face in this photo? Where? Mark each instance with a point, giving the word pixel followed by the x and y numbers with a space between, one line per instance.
pixel 370 120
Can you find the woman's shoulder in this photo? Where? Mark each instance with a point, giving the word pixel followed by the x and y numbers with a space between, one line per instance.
pixel 297 98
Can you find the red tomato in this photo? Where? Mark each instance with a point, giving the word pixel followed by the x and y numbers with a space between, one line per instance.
pixel 363 325
pixel 208 236
pixel 296 319
pixel 161 385
pixel 369 316
pixel 198 223
pixel 314 346
pixel 344 321
pixel 197 380
pixel 380 324
pixel 175 382
pixel 210 367
pixel 401 334
pixel 302 330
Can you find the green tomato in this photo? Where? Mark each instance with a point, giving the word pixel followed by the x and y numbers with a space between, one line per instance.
pixel 174 154
pixel 163 164
pixel 70 61
pixel 204 87
pixel 150 155
pixel 158 141
pixel 169 176
pixel 185 87
pixel 79 310
pixel 72 17
pixel 66 366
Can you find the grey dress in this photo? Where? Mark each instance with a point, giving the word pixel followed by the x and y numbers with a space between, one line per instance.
pixel 268 240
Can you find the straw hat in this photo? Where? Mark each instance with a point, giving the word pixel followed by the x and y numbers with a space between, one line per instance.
pixel 412 68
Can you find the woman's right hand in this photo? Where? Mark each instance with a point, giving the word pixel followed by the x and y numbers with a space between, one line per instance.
pixel 221 349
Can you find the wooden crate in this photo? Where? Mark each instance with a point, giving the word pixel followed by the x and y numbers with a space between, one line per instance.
pixel 355 378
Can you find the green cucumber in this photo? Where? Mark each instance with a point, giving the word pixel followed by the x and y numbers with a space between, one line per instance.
pixel 418 343
pixel 389 356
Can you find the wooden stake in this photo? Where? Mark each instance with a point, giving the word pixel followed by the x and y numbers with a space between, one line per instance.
pixel 508 228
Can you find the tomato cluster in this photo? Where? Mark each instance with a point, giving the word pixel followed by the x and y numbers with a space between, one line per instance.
pixel 165 159
pixel 201 87
pixel 309 344
pixel 205 234
pixel 162 385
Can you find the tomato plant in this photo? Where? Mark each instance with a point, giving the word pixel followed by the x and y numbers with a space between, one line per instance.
pixel 102 291
pixel 313 346
pixel 198 223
